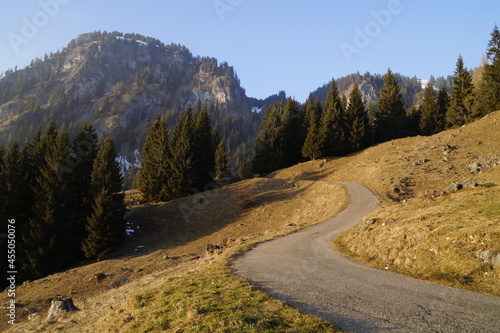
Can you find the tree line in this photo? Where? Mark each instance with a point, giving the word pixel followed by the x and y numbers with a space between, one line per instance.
pixel 290 134
pixel 65 197
pixel 183 161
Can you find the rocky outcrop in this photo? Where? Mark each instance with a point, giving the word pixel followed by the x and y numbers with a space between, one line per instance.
pixel 119 83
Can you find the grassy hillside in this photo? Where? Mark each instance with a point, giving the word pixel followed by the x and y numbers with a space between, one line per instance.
pixel 190 291
pixel 422 230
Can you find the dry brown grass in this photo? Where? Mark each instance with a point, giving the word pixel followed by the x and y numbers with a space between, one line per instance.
pixel 180 229
pixel 445 238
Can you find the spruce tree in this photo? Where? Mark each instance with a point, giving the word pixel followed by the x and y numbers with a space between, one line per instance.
pixel 154 174
pixel 333 138
pixel 221 160
pixel 443 101
pixel 46 242
pixel 181 163
pixel 106 225
pixel 462 96
pixel 391 113
pixel 489 88
pixel 203 151
pixel 82 155
pixel 312 115
pixel 268 152
pixel 292 134
pixel 15 193
pixel 429 112
pixel 358 122
pixel 308 116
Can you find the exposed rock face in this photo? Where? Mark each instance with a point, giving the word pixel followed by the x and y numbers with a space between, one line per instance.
pixel 119 83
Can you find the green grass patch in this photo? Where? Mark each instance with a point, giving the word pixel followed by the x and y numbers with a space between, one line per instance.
pixel 212 299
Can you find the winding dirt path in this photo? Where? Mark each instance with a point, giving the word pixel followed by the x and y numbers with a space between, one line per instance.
pixel 302 270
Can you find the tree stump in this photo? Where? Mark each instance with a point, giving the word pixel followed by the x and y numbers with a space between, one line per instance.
pixel 59 304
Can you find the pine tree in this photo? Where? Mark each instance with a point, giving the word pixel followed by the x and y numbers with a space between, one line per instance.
pixel 15 193
pixel 221 160
pixel 489 88
pixel 82 155
pixel 203 150
pixel 462 96
pixel 332 131
pixel 106 225
pixel 292 134
pixel 312 115
pixel 358 121
pixel 45 243
pixel 390 116
pixel 443 101
pixel 268 151
pixel 181 164
pixel 429 112
pixel 154 174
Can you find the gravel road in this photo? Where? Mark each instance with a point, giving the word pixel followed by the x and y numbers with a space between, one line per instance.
pixel 302 270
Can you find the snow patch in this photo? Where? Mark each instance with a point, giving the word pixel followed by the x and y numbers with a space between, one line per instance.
pixel 130 228
pixel 125 164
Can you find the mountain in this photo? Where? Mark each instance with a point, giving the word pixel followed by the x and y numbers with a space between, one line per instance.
pixel 120 83
pixel 259 105
pixel 370 85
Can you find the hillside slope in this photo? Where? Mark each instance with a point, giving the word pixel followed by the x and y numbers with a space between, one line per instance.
pixel 164 265
pixel 428 227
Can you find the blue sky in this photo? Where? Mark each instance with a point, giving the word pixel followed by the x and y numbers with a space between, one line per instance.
pixel 291 45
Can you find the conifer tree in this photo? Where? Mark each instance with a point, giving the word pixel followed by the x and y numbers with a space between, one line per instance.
pixel 106 225
pixel 332 131
pixel 181 163
pixel 292 134
pixel 154 174
pixel 443 100
pixel 45 243
pixel 312 115
pixel 462 96
pixel 308 116
pixel 358 121
pixel 203 150
pixel 489 88
pixel 15 193
pixel 221 160
pixel 390 116
pixel 268 152
pixel 429 112
pixel 82 155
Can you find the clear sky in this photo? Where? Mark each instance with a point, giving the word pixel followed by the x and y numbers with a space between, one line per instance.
pixel 273 45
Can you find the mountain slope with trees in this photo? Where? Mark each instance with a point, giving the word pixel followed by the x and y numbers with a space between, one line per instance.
pixel 120 83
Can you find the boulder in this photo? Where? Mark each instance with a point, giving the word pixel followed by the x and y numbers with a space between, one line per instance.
pixel 495 260
pixel 469 183
pixel 453 187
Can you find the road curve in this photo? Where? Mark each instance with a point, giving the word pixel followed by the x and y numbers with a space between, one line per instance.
pixel 302 270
